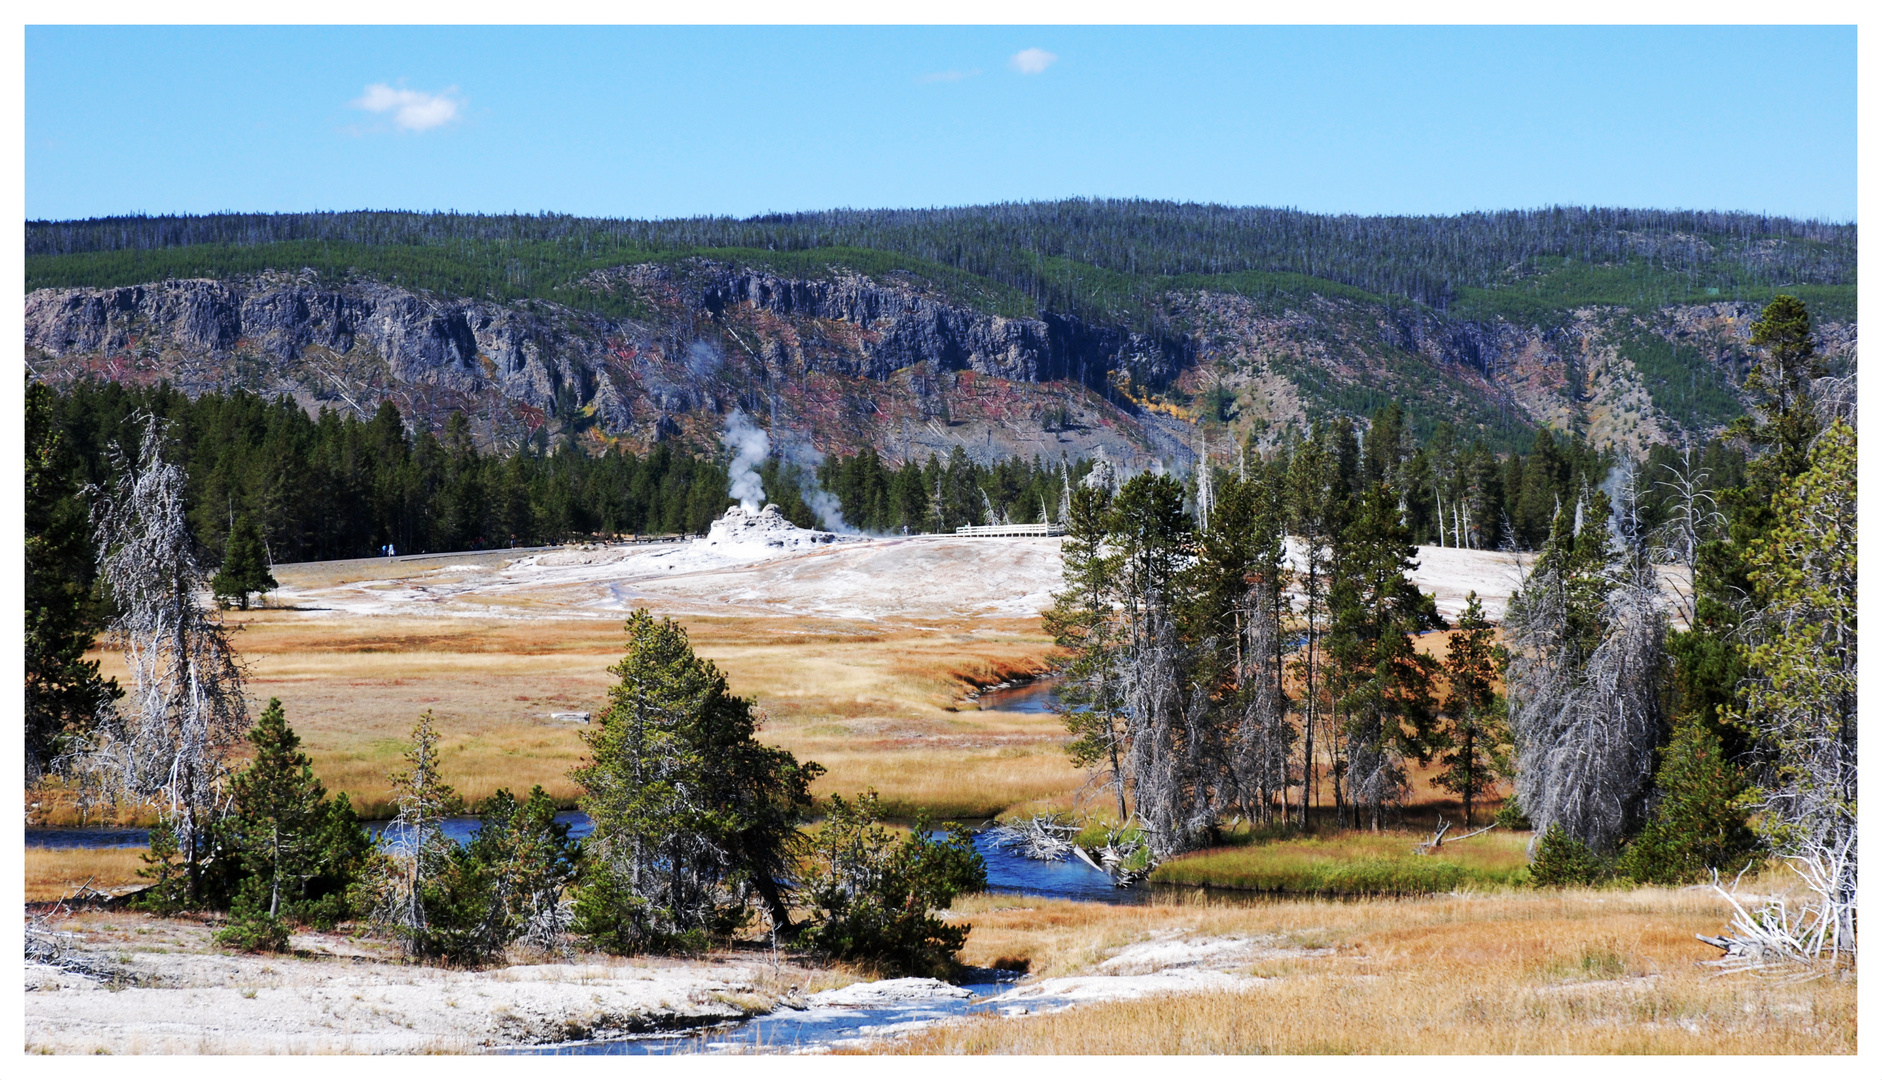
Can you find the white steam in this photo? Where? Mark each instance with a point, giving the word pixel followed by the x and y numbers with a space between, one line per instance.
pixel 799 452
pixel 827 507
pixel 750 446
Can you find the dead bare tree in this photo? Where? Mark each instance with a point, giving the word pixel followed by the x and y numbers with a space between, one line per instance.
pixel 1586 640
pixel 1159 759
pixel 1695 517
pixel 170 741
pixel 1263 741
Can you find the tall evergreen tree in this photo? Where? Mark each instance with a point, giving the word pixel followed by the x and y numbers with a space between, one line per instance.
pixel 1383 684
pixel 1317 505
pixel 1800 698
pixel 1082 621
pixel 1474 737
pixel 691 813
pixel 64 691
pixel 245 569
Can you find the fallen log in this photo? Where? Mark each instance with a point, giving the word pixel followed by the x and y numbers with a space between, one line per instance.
pixel 1437 838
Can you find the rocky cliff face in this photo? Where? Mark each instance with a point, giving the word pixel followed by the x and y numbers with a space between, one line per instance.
pixel 1623 378
pixel 841 359
pixel 461 346
pixel 847 361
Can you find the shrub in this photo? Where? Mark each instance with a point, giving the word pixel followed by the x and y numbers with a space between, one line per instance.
pixel 1699 823
pixel 531 862
pixel 1510 816
pixel 251 928
pixel 874 895
pixel 1563 860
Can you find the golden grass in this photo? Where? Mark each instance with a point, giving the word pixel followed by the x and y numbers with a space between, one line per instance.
pixel 876 705
pixel 1514 972
pixel 52 873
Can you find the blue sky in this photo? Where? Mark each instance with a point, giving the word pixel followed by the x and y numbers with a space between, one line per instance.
pixel 663 122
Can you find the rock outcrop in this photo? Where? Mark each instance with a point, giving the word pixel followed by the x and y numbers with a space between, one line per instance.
pixel 847 361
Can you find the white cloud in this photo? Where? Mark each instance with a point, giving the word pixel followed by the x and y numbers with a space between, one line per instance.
pixel 948 76
pixel 412 110
pixel 1032 61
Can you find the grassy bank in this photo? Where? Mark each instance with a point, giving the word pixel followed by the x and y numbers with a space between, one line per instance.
pixel 52 873
pixel 1511 972
pixel 1353 864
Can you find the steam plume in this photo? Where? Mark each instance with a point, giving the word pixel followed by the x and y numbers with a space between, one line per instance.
pixel 750 446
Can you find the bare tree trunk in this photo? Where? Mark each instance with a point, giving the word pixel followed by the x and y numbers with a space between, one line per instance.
pixel 186 712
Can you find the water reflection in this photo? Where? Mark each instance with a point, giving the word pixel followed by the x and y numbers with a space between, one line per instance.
pixel 1039 696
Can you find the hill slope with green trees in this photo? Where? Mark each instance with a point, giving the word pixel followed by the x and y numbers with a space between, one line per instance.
pixel 1142 320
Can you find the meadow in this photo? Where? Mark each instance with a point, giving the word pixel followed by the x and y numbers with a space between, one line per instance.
pixel 1361 946
pixel 1508 971
pixel 878 706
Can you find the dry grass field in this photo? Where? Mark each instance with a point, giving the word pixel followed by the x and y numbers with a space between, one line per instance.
pixel 876 705
pixel 1504 972
pixel 52 873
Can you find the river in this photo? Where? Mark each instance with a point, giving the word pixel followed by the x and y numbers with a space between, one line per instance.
pixel 1067 880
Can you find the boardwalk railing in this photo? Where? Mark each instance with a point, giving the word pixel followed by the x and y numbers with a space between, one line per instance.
pixel 1045 529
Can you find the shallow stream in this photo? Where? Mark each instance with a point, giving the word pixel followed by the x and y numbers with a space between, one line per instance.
pixel 820 1027
pixel 1068 880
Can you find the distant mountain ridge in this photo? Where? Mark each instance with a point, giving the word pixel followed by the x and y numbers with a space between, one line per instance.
pixel 550 326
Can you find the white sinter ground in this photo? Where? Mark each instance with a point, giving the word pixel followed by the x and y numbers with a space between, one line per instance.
pixel 760 564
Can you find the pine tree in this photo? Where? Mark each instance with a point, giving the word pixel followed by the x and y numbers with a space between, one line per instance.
pixel 1082 621
pixel 691 813
pixel 275 827
pixel 1474 736
pixel 419 894
pixel 1382 683
pixel 1698 823
pixel 1317 505
pixel 1800 699
pixel 244 569
pixel 64 691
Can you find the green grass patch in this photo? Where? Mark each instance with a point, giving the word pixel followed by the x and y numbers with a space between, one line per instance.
pixel 1352 864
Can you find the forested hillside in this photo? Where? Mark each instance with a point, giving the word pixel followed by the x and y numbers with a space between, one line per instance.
pixel 1101 259
pixel 1017 330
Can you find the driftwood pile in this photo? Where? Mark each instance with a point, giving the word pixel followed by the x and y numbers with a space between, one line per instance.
pixel 1778 939
pixel 1049 838
pixel 58 948
pixel 1046 838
